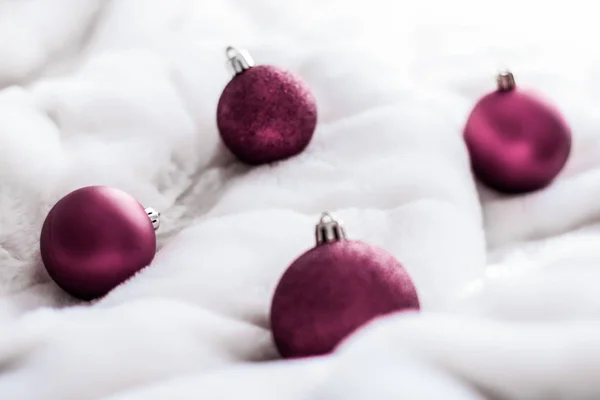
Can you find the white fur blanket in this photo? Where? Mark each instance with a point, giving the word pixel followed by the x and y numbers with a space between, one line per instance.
pixel 123 93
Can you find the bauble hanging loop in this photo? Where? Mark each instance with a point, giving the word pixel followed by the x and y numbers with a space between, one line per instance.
pixel 265 113
pixel 517 142
pixel 333 289
pixel 95 238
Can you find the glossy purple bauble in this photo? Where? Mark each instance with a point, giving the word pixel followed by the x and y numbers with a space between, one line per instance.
pixel 517 142
pixel 266 114
pixel 95 238
pixel 333 289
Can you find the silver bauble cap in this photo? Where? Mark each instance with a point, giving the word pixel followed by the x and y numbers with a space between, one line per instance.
pixel 505 81
pixel 239 59
pixel 154 217
pixel 329 230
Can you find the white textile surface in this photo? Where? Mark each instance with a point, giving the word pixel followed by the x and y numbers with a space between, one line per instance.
pixel 124 92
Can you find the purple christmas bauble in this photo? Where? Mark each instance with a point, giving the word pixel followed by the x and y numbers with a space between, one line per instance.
pixel 332 290
pixel 517 142
pixel 95 238
pixel 266 114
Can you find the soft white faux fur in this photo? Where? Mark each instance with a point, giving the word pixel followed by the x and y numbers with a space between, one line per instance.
pixel 124 92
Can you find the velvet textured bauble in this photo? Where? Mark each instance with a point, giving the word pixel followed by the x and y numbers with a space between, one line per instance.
pixel 266 114
pixel 95 238
pixel 517 141
pixel 333 289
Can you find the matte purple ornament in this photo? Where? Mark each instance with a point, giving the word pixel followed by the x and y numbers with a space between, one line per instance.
pixel 333 289
pixel 95 238
pixel 517 142
pixel 265 113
